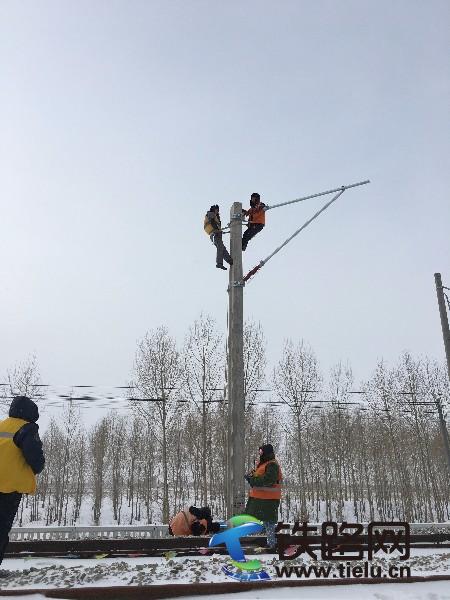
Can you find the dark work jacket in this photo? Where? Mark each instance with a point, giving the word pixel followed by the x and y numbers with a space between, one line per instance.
pixel 27 438
pixel 265 510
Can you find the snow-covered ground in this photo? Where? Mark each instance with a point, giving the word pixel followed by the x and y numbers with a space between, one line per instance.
pixel 35 573
pixel 431 590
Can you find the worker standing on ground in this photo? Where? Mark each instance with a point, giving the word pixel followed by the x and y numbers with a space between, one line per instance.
pixel 256 218
pixel 21 459
pixel 213 228
pixel 265 492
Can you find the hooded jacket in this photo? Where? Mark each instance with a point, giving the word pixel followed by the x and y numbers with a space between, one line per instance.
pixel 260 505
pixel 181 523
pixel 21 455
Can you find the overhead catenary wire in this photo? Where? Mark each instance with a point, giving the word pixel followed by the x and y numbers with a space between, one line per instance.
pixel 343 187
pixel 266 260
pixel 339 192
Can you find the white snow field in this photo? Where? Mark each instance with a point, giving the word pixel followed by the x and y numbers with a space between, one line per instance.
pixel 430 590
pixel 38 573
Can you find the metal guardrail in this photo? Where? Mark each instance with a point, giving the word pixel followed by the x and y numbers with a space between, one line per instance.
pixel 89 532
pixel 139 531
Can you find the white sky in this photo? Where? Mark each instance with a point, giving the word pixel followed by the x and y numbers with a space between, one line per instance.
pixel 122 122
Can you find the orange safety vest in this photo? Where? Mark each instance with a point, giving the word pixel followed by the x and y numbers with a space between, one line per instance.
pixel 16 474
pixel 257 215
pixel 272 492
pixel 181 523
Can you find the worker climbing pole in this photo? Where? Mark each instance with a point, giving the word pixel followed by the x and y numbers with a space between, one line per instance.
pixel 338 192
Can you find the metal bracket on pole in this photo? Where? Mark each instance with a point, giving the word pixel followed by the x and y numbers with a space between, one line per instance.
pixel 339 191
pixel 236 284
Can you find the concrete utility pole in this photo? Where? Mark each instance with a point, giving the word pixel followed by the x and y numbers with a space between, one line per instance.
pixel 444 318
pixel 444 432
pixel 446 336
pixel 235 375
pixel 236 403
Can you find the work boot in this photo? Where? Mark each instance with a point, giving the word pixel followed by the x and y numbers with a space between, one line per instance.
pixel 221 267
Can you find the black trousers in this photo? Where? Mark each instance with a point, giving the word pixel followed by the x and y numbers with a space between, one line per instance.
pixel 9 503
pixel 251 231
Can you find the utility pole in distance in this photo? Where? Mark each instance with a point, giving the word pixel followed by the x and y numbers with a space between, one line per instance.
pixel 236 402
pixel 446 336
pixel 444 318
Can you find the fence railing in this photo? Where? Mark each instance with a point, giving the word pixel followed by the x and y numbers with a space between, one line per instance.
pixel 79 533
pixel 143 531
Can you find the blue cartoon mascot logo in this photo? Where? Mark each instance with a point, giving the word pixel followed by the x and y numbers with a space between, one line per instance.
pixel 240 526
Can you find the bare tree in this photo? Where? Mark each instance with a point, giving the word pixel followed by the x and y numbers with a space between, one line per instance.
pixel 99 442
pixel 296 379
pixel 79 473
pixel 23 379
pixel 157 377
pixel 340 384
pixel 116 455
pixel 203 373
pixel 255 363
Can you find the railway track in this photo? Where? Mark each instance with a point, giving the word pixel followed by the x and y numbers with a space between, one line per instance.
pixel 142 542
pixel 160 592
pixel 187 546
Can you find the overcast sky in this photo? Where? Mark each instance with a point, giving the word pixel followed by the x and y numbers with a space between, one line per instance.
pixel 121 122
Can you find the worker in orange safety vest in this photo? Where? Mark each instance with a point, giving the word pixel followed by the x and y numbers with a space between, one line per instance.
pixel 256 219
pixel 265 492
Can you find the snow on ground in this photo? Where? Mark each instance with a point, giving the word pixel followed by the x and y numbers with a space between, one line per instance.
pixel 35 573
pixel 430 590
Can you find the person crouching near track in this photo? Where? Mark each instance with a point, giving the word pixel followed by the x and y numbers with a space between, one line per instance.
pixel 193 521
pixel 21 459
pixel 265 492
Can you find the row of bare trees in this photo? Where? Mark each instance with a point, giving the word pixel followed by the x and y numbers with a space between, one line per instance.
pixel 368 451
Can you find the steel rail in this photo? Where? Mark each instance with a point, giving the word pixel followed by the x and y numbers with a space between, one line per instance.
pixel 178 590
pixel 180 545
pixel 144 531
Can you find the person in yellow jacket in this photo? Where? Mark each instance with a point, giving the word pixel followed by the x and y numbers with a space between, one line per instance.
pixel 21 459
pixel 213 227
pixel 265 492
